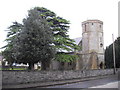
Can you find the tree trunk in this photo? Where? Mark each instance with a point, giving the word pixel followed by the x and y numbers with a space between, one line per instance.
pixel 11 65
pixel 43 67
pixel 31 66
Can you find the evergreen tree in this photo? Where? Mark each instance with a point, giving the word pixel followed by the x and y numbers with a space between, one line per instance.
pixel 62 42
pixel 13 30
pixel 35 37
pixel 109 55
pixel 34 42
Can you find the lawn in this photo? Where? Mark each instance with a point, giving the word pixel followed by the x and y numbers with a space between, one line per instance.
pixel 13 69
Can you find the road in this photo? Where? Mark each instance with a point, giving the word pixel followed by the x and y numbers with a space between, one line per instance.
pixel 106 82
pixel 91 83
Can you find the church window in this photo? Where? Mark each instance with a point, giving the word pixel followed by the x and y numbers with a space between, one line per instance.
pixel 100 39
pixel 101 45
pixel 85 27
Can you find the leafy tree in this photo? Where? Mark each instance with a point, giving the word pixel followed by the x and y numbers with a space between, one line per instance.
pixel 109 55
pixel 34 42
pixel 59 27
pixel 25 39
pixel 12 31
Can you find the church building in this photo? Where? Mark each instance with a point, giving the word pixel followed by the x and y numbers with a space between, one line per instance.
pixel 92 44
pixel 92 53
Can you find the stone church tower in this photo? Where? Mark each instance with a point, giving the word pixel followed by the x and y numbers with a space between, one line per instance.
pixel 92 44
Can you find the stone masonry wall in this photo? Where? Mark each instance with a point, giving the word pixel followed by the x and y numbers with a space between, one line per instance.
pixel 21 77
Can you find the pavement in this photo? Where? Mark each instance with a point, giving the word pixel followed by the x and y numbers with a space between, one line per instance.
pixel 53 83
pixel 108 85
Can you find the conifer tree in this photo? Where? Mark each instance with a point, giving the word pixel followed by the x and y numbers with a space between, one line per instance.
pixel 34 42
pixel 62 42
pixel 109 54
pixel 13 30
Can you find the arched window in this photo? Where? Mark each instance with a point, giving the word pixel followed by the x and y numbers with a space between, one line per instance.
pixel 101 45
pixel 85 27
pixel 100 39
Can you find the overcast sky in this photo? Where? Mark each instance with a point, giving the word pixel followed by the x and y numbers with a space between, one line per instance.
pixel 76 11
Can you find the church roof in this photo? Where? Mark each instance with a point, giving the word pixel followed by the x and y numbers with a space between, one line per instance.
pixel 77 40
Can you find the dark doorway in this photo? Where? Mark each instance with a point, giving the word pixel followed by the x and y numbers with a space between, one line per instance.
pixel 101 65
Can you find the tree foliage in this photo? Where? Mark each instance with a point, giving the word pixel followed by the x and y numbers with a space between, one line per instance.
pixel 66 57
pixel 13 30
pixel 59 27
pixel 109 55
pixel 30 42
pixel 34 40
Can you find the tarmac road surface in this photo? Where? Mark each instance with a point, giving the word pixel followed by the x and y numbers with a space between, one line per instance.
pixel 92 83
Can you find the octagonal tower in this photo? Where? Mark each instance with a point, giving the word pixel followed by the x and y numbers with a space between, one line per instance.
pixel 92 44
